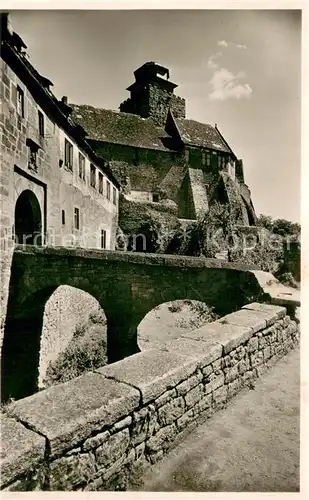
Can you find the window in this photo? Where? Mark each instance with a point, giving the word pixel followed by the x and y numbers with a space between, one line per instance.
pixel 32 154
pixel 207 159
pixel 203 158
pixel 155 198
pixel 63 217
pixel 76 218
pixel 81 166
pixel 32 158
pixel 68 154
pixel 41 123
pixel 103 238
pixel 100 183
pixel 108 190
pixel 92 175
pixel 114 196
pixel 20 102
pixel 187 153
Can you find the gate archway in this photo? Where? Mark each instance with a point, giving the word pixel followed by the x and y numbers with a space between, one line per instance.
pixel 28 219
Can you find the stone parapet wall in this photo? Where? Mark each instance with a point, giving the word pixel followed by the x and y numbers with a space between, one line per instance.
pixel 102 429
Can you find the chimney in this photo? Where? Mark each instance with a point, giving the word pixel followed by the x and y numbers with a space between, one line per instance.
pixel 64 99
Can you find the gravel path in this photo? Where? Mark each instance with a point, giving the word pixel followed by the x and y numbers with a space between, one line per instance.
pixel 253 445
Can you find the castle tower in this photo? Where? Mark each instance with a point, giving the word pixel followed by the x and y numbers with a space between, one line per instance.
pixel 152 95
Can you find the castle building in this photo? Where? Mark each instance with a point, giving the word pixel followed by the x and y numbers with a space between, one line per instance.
pixel 158 154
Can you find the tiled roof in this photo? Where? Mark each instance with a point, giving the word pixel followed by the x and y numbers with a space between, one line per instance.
pixel 195 133
pixel 117 127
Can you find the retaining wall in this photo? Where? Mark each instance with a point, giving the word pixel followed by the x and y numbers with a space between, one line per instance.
pixel 100 430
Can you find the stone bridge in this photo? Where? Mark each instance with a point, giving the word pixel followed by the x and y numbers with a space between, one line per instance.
pixel 127 286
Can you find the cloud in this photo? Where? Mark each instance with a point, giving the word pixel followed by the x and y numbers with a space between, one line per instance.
pixel 241 46
pixel 223 43
pixel 226 85
pixel 212 61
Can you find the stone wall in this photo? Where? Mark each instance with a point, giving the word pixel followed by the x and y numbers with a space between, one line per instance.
pixel 101 430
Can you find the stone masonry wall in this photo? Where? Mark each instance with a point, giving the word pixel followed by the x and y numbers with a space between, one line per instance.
pixel 101 430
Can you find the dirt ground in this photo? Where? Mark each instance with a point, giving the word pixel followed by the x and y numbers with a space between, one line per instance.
pixel 252 445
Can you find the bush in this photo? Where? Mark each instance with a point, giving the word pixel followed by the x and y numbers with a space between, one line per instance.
pixel 86 351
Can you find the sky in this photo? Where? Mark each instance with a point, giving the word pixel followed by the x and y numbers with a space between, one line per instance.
pixel 240 69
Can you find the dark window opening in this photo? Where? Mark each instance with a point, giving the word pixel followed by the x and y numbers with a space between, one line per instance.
pixel 68 154
pixel 41 123
pixel 155 197
pixel 136 159
pixel 63 217
pixel 76 218
pixel 187 155
pixel 108 190
pixel 28 219
pixel 114 196
pixel 20 102
pixel 92 175
pixel 100 183
pixel 103 238
pixel 81 166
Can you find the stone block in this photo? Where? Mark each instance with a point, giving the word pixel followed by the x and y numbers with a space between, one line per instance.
pixel 243 365
pixel 161 439
pixel 202 351
pixel 256 320
pixel 166 396
pixel 140 426
pixel 253 345
pixel 256 359
pixel 278 312
pixel 214 384
pixel 231 374
pixel 207 370
pixel 96 441
pixel 124 422
pixel 152 371
pixel 186 418
pixel 139 450
pixel 204 403
pixel 234 387
pixel 114 468
pixel 171 411
pixel 21 449
pixel 153 424
pixel 69 472
pixel 188 384
pixel 70 412
pixel 217 366
pixel 194 395
pixel 228 335
pixel 113 448
pixel 219 396
pixel 267 353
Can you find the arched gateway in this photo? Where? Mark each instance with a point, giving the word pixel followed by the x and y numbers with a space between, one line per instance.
pixel 28 219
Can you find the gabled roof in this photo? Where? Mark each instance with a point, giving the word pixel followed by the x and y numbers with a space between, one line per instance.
pixel 118 127
pixel 195 133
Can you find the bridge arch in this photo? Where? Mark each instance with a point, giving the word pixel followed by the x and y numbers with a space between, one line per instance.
pixel 24 352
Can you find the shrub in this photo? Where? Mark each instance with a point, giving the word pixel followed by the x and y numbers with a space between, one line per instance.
pixel 86 351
